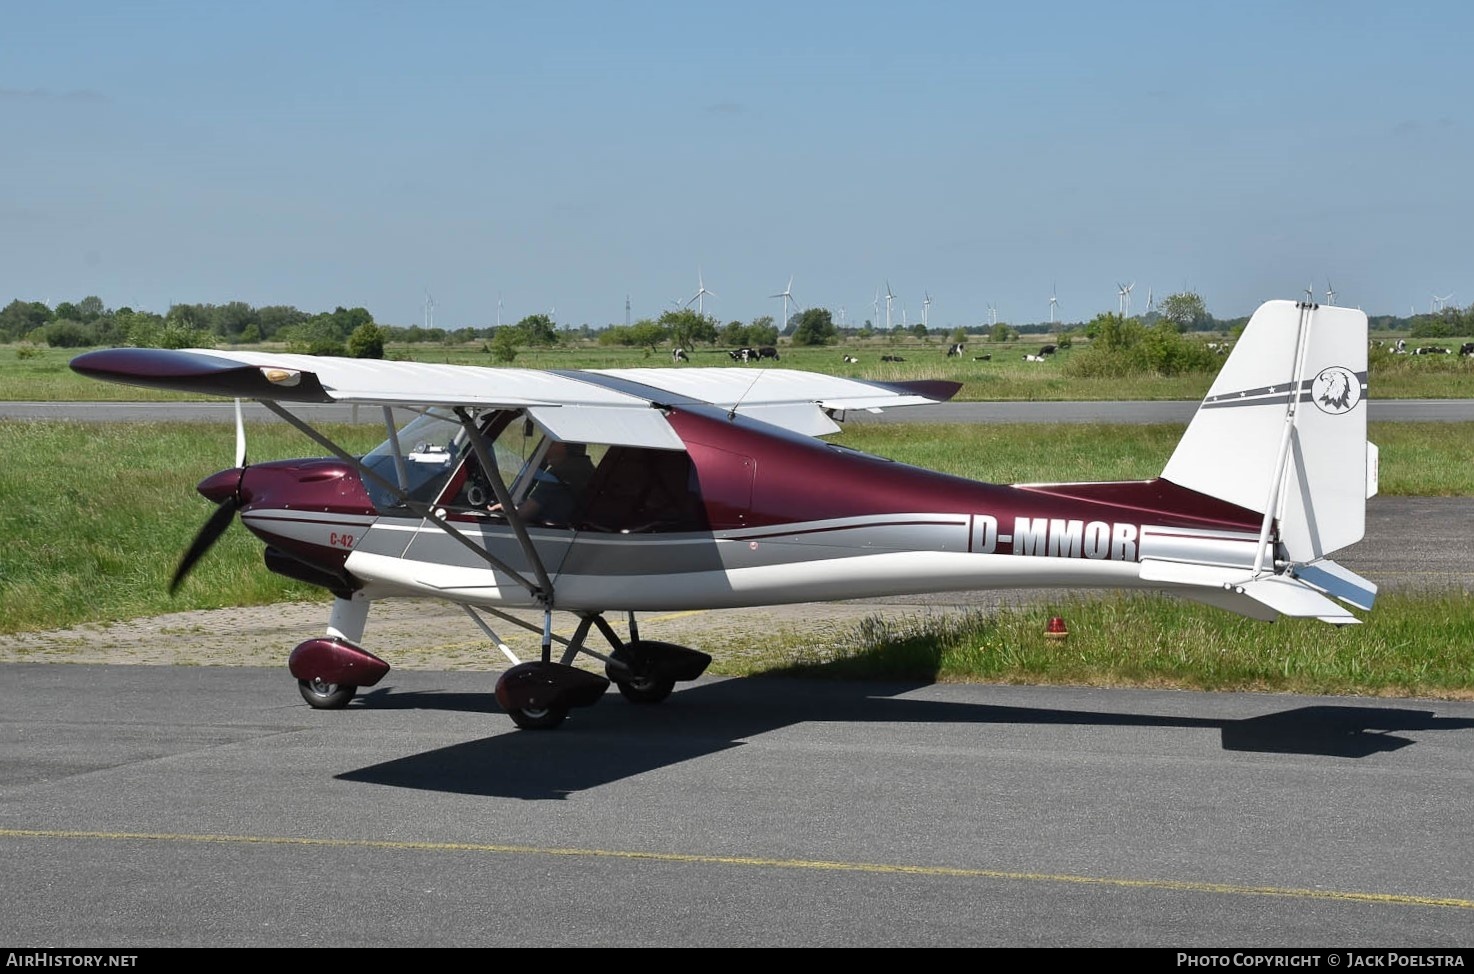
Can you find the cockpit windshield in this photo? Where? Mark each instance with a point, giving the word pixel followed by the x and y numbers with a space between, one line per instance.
pixel 431 444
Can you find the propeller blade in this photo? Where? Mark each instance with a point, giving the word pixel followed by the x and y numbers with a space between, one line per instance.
pixel 209 534
pixel 240 436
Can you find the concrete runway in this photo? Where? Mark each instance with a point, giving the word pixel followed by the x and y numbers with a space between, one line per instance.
pixel 201 807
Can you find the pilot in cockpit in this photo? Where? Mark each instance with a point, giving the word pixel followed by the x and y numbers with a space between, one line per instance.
pixel 559 484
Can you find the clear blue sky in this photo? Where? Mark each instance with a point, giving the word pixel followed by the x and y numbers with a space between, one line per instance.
pixel 559 157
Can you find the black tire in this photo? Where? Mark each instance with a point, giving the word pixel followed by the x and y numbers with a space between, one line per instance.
pixel 326 696
pixel 540 718
pixel 636 688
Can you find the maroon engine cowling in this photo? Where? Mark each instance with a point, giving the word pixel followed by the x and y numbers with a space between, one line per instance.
pixel 311 485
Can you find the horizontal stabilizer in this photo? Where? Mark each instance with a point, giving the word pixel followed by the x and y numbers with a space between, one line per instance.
pixel 1266 597
pixel 1338 582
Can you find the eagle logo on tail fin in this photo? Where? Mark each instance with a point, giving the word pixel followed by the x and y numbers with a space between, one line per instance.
pixel 1335 390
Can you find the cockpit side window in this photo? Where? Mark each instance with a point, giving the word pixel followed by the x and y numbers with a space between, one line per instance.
pixel 637 490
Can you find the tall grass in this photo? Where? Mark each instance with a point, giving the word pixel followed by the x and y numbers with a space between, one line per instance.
pixel 96 516
pixel 1419 645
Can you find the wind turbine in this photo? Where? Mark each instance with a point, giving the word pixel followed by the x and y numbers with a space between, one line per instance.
pixel 429 311
pixel 876 305
pixel 701 294
pixel 925 308
pixel 992 314
pixel 1124 293
pixel 1053 303
pixel 1330 293
pixel 889 298
pixel 1443 301
pixel 787 295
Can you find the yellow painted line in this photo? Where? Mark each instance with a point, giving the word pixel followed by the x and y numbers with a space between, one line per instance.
pixel 676 615
pixel 819 865
pixel 664 618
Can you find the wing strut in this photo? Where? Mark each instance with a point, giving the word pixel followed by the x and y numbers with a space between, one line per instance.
pixel 509 509
pixel 542 593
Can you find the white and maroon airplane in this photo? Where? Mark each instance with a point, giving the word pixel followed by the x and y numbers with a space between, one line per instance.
pixel 712 487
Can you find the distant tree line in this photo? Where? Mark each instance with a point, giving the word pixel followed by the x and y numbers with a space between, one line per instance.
pixel 353 331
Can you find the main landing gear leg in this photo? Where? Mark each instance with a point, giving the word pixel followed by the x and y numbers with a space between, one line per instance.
pixel 646 671
pixel 538 695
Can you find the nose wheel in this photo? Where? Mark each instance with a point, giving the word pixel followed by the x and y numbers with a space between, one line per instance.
pixel 538 718
pixel 322 695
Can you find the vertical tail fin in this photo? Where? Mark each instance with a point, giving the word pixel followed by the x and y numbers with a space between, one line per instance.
pixel 1283 429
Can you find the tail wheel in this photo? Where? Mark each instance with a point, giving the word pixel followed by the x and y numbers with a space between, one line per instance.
pixel 321 695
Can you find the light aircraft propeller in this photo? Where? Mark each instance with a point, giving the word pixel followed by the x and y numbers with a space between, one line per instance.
pixel 223 515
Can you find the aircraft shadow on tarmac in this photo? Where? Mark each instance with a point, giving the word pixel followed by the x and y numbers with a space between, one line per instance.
pixel 613 740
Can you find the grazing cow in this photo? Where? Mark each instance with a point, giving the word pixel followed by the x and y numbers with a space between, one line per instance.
pixel 678 355
pixel 956 348
pixel 1467 348
pixel 742 354
pixel 1401 348
pixel 1430 350
pixel 850 359
pixel 1033 358
pixel 983 358
pixel 1047 350
pixel 767 351
pixel 891 358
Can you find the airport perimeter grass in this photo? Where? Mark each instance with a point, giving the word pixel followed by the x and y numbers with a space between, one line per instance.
pixel 96 516
pixel 43 375
pixel 1411 646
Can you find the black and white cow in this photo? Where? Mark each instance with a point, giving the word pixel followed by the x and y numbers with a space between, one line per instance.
pixel 956 349
pixel 678 355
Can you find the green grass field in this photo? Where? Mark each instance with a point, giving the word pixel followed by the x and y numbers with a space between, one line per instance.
pixel 45 377
pixel 97 515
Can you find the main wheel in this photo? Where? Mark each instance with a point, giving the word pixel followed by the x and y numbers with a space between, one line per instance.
pixel 637 687
pixel 322 695
pixel 538 718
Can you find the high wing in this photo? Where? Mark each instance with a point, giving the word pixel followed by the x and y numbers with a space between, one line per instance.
pixel 613 406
